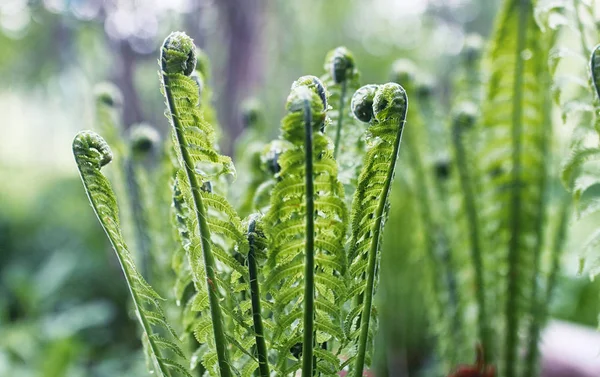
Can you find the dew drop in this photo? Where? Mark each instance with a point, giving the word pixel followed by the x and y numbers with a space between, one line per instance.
pixel 526 54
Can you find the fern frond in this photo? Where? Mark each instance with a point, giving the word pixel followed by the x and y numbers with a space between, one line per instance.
pixel 464 122
pixel 385 109
pixel 305 224
pixel 427 142
pixel 513 165
pixel 341 80
pixel 91 154
pixel 217 241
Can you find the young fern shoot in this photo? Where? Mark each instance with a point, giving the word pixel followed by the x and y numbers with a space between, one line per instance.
pixel 385 108
pixel 92 153
pixel 341 80
pixel 306 259
pixel 214 228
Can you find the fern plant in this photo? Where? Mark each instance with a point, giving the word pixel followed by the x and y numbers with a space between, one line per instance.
pixel 283 292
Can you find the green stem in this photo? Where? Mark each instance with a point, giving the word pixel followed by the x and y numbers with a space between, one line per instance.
pixel 340 123
pixel 309 264
pixel 475 239
pixel 261 346
pixel 373 258
pixel 209 260
pixel 514 249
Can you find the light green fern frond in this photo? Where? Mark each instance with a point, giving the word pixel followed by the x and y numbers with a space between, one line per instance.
pixel 218 245
pixel 92 153
pixel 305 225
pixel 385 108
pixel 513 168
pixel 341 80
pixel 427 156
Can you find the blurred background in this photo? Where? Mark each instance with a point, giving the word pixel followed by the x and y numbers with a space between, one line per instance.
pixel 63 308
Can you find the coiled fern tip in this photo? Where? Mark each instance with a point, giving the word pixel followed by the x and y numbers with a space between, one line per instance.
pixel 340 64
pixel 362 102
pixel 178 54
pixel 95 149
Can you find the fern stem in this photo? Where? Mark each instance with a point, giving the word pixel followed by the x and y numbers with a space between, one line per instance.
pixel 209 260
pixel 365 316
pixel 309 265
pixel 513 318
pixel 474 234
pixel 261 346
pixel 338 131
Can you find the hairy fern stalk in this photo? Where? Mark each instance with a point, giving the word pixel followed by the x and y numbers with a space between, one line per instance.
pixel 287 293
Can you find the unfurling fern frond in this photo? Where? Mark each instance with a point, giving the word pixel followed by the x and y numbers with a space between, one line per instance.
pixel 270 168
pixel 305 226
pixel 217 241
pixel 341 80
pixel 384 107
pixel 91 154
pixel 513 169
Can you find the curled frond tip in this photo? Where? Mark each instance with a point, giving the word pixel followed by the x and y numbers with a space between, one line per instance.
pixel 315 84
pixel 340 64
pixel 390 101
pixel 143 138
pixel 178 54
pixel 91 147
pixel 362 102
pixel 108 94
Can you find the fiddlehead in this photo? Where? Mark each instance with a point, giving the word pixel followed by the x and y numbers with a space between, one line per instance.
pixel 295 246
pixel 341 80
pixel 213 226
pixel 370 206
pixel 91 154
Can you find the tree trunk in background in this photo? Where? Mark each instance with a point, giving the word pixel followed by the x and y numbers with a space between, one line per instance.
pixel 243 21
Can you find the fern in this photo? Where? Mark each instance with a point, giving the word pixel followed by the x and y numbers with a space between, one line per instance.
pixel 464 121
pixel 306 257
pixel 384 107
pixel 424 141
pixel 341 80
pixel 92 153
pixel 213 226
pixel 512 165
